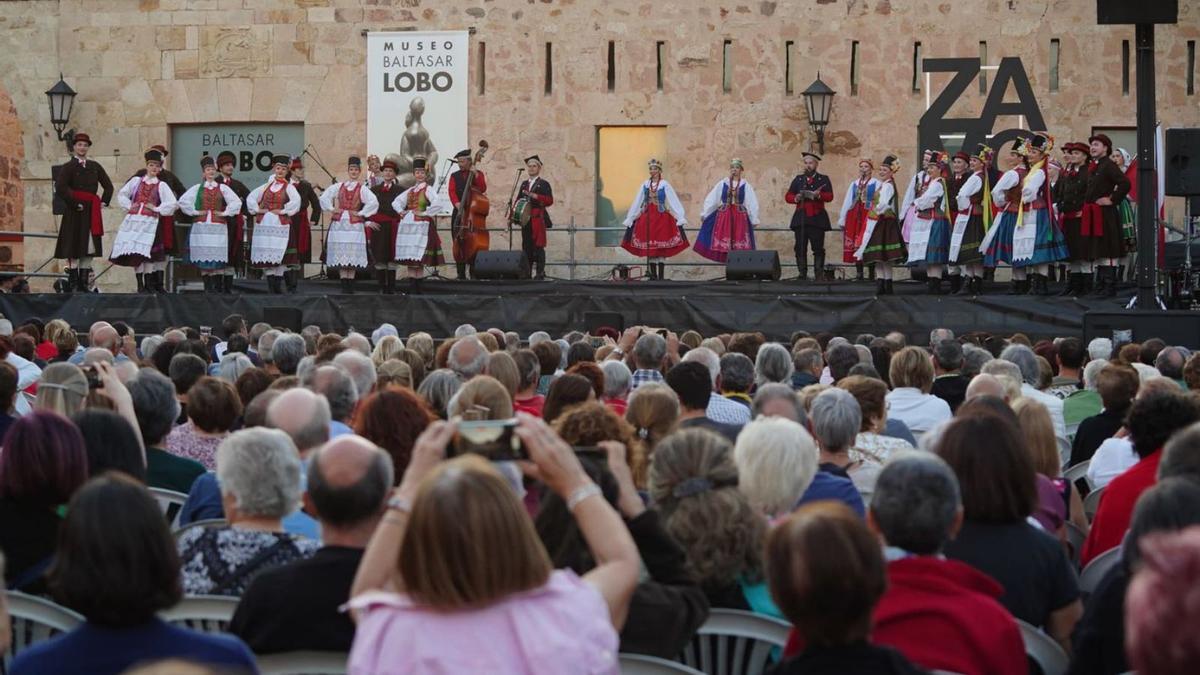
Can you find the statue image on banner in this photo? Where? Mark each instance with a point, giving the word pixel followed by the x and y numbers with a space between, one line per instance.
pixel 416 142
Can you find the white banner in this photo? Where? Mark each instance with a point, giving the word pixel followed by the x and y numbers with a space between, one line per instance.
pixel 417 97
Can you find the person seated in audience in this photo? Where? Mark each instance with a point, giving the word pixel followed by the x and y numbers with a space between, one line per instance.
pixel 618 383
pixel 999 492
pixel 118 578
pixel 737 377
pixel 593 424
pixel 1099 638
pixel 720 409
pixel 43 463
pixel 566 391
pixel 591 372
pixel 871 443
pixel 527 399
pixel 807 365
pixel 653 412
pixel 1170 361
pixel 1062 501
pixel 213 410
pixel 1161 605
pixel 62 389
pixel 1026 361
pixel 185 370
pixel 8 397
pixel 339 390
pixel 111 442
pixel 1152 420
pixel 286 352
pixel 692 383
pixel 349 483
pixel 648 353
pixel 157 408
pixel 501 366
pixel 393 419
pixel 826 572
pixel 949 384
pixel 839 358
pixel 911 375
pixel 773 363
pixel 1116 386
pixel 777 465
pixel 259 475
pixel 778 400
pixel 484 398
pixel 394 374
pixel 834 421
pixel 467 358
pixel 438 389
pixel 694 487
pixel 1116 455
pixel 468 564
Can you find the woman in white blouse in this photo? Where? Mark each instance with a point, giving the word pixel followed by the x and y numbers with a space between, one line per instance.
pixel 930 238
pixel 911 373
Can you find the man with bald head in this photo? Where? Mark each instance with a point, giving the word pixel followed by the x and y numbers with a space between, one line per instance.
pixel 986 385
pixel 295 606
pixel 102 335
pixel 304 416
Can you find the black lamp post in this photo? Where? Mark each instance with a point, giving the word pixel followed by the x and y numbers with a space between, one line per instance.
pixel 61 97
pixel 818 98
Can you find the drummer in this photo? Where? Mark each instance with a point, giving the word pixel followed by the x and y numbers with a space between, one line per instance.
pixel 529 211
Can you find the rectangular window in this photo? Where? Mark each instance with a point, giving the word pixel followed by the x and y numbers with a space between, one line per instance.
pixel 612 66
pixel 1054 47
pixel 789 87
pixel 1191 67
pixel 854 68
pixel 482 67
pixel 549 69
pixel 982 62
pixel 1125 67
pixel 916 67
pixel 727 66
pixel 660 49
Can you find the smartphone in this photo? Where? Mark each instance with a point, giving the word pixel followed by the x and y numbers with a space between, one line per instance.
pixel 596 342
pixel 592 452
pixel 493 439
pixel 93 378
pixel 205 331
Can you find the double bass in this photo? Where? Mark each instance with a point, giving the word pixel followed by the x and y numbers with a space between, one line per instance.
pixel 469 229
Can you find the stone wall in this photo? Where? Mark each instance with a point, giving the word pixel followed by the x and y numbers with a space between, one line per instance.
pixel 142 65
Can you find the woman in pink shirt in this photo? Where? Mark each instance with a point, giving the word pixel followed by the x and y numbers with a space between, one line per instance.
pixel 455 578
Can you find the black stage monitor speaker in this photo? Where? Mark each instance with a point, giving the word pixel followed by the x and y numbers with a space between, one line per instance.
pixel 1183 163
pixel 1137 11
pixel 594 321
pixel 749 265
pixel 500 265
pixel 1176 327
pixel 290 318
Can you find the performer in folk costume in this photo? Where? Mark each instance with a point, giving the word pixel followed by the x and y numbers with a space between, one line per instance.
pixel 1107 186
pixel 929 241
pixel 82 226
pixel 464 251
pixel 275 233
pixel 1069 193
pixel 214 207
pixel 177 188
pixel 852 220
pixel 655 221
pixel 538 195
pixel 916 186
pixel 1127 208
pixel 350 204
pixel 810 192
pixel 308 216
pixel 146 233
pixel 728 217
pixel 237 225
pixel 882 245
pixel 382 240
pixel 959 173
pixel 972 220
pixel 417 243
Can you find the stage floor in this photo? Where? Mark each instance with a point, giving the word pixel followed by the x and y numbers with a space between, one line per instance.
pixel 774 308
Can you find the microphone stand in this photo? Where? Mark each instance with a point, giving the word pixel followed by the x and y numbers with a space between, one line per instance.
pixel 437 190
pixel 320 224
pixel 508 211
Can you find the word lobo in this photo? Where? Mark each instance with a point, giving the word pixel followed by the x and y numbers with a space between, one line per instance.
pixel 249 161
pixel 935 125
pixel 404 82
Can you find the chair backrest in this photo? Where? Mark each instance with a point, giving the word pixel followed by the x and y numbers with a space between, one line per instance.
pixel 1091 575
pixel 734 642
pixel 303 663
pixel 640 664
pixel 1040 647
pixel 1092 502
pixel 1077 472
pixel 207 522
pixel 35 619
pixel 205 613
pixel 171 503
pixel 1075 539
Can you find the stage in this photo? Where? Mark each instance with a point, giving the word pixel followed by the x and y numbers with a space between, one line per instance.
pixel 774 308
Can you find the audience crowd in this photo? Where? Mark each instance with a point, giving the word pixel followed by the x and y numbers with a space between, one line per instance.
pixel 492 502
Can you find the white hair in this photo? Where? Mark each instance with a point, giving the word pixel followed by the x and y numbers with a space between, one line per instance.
pixel 1100 348
pixel 260 468
pixel 383 331
pixel 1090 371
pixel 358 342
pixel 1145 372
pixel 360 368
pixel 776 460
pixel 708 358
pixel 464 330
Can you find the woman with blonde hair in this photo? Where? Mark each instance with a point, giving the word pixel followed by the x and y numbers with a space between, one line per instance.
pixel 485 396
pixel 415 362
pixel 62 389
pixel 911 375
pixel 502 367
pixel 387 347
pixel 1038 430
pixel 393 373
pixel 653 412
pixel 422 343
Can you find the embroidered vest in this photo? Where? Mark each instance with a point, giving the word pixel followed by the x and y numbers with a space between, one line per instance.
pixel 212 203
pixel 274 200
pixel 413 202
pixel 977 198
pixel 936 210
pixel 1012 196
pixel 146 194
pixel 349 199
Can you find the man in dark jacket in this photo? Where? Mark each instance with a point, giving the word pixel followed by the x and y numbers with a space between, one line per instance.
pixel 1107 185
pixel 948 383
pixel 82 225
pixel 810 192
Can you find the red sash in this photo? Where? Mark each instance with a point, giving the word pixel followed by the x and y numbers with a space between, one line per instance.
pixel 167 223
pixel 94 200
pixel 1093 220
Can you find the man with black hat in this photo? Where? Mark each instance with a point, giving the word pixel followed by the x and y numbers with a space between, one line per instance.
pixel 810 191
pixel 383 239
pixel 959 173
pixel 82 225
pixel 147 231
pixel 213 207
pixel 274 241
pixel 309 215
pixel 534 195
pixel 464 247
pixel 226 161
pixel 1069 193
pixel 346 242
pixel 1107 185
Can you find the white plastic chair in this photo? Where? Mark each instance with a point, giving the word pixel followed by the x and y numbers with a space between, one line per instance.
pixel 35 619
pixel 1077 471
pixel 205 613
pixel 207 522
pixel 1075 538
pixel 640 664
pixel 1091 503
pixel 1044 650
pixel 171 503
pixel 303 663
pixel 734 642
pixel 1095 570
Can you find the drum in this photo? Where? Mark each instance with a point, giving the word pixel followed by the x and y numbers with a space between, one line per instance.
pixel 521 211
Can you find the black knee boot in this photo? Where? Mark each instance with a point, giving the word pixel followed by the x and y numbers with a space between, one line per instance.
pixel 956 283
pixel 541 264
pixel 880 287
pixel 662 271
pixel 858 271
pixel 348 286
pixel 141 282
pixel 461 269
pixel 652 271
pixel 381 279
pixel 819 267
pixel 227 284
pixel 274 284
pixel 935 285
pixel 891 289
pixel 292 279
pixel 83 280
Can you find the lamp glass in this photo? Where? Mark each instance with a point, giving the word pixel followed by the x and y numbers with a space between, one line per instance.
pixel 62 98
pixel 818 98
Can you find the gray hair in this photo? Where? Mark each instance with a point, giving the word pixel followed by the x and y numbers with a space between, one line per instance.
pixel 563 348
pixel 1170 361
pixel 807 360
pixel 938 334
pixel 154 404
pixel 737 371
pixel 1025 360
pixel 778 391
pixel 338 388
pixel 257 331
pixel 438 388
pixel 538 336
pixel 512 341
pixel 151 343
pixel 864 354
pixel 287 351
pixel 260 468
pixel 835 419
pixel 973 359
pixel 705 357
pixel 360 368
pixel 465 330
pixel 948 354
pixel 617 379
pixel 1090 371
pixel 916 501
pixel 266 344
pixel 776 460
pixel 357 342
pixel 383 331
pixel 1000 367
pixel 1100 348
pixel 468 357
pixel 774 364
pixel 94 355
pixel 649 350
pixel 305 369
pixel 232 365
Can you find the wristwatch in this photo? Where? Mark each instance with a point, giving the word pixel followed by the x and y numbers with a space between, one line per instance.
pixel 618 351
pixel 399 504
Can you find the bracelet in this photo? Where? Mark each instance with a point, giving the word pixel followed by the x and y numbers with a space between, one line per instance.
pixel 618 351
pixel 581 493
pixel 399 504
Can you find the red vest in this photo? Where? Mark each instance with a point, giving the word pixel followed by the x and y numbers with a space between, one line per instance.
pixel 272 201
pixel 212 202
pixel 349 199
pixel 146 194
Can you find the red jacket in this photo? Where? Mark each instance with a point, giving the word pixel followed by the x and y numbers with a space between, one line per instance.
pixel 1116 506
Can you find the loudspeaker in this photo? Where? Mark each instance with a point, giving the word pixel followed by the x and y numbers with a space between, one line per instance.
pixel 290 318
pixel 748 265
pixel 1182 177
pixel 1143 11
pixel 501 265
pixel 596 320
pixel 1176 327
